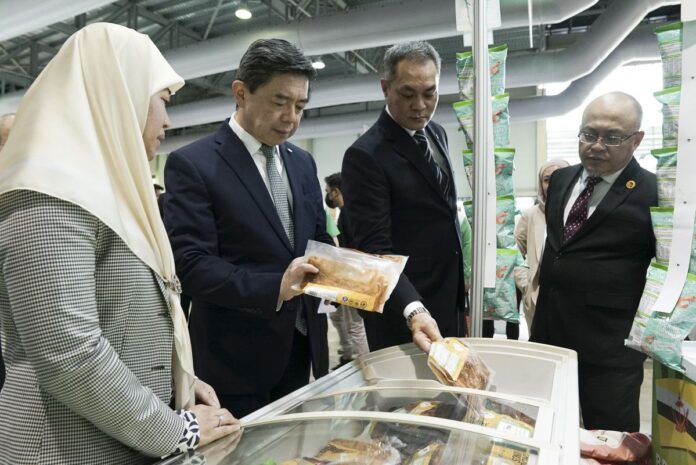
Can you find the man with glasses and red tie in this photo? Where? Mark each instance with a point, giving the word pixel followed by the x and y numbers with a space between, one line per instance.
pixel 598 247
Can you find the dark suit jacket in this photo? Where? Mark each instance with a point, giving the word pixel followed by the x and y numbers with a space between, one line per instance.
pixel 231 251
pixel 395 205
pixel 591 285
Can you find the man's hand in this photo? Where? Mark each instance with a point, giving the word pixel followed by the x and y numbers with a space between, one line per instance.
pixel 425 331
pixel 293 277
pixel 205 394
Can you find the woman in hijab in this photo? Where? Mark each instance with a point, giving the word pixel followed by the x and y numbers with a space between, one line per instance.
pixel 93 335
pixel 530 234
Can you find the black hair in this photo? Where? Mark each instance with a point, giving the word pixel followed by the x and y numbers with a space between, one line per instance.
pixel 418 51
pixel 333 181
pixel 266 58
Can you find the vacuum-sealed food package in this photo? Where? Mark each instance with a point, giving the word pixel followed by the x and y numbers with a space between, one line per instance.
pixel 503 169
pixel 662 221
pixel 659 334
pixel 464 110
pixel 350 277
pixel 505 222
pixel 669 39
pixel 455 363
pixel 428 455
pixel 500 303
pixel 497 57
pixel 666 173
pixel 669 98
pixel 353 451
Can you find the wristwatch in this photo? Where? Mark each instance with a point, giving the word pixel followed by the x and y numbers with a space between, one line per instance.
pixel 413 313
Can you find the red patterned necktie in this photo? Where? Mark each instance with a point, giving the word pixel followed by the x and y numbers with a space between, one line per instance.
pixel 578 213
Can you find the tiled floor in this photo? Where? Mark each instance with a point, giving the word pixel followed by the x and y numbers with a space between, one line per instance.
pixel 645 393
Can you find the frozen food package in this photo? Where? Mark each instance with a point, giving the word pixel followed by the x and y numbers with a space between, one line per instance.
pixel 455 363
pixel 350 277
pixel 666 173
pixel 428 455
pixel 503 169
pixel 500 303
pixel 469 210
pixel 464 110
pixel 505 211
pixel 659 334
pixel 669 40
pixel 353 451
pixel 497 57
pixel 662 222
pixel 669 98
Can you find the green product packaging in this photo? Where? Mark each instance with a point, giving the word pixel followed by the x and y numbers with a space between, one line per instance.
pixel 500 303
pixel 669 40
pixel 669 98
pixel 497 57
pixel 662 221
pixel 464 110
pixel 658 334
pixel 469 210
pixel 503 169
pixel 505 211
pixel 666 173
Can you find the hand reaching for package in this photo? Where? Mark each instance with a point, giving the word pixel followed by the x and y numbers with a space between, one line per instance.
pixel 425 331
pixel 291 284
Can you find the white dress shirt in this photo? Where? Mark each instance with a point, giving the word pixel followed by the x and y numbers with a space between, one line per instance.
pixel 600 191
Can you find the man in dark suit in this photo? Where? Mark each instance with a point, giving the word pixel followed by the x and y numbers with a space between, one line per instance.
pixel 242 204
pixel 598 247
pixel 400 199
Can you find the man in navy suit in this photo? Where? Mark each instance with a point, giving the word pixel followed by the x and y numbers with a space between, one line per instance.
pixel 599 244
pixel 242 204
pixel 398 186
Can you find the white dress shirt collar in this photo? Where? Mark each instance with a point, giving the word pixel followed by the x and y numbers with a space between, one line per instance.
pixel 252 144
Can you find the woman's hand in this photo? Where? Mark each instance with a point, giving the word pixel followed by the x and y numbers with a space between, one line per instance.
pixel 214 422
pixel 205 394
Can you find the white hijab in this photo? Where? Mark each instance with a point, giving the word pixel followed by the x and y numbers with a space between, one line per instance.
pixel 78 137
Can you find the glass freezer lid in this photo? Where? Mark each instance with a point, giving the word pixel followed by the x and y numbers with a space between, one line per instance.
pixel 469 406
pixel 335 438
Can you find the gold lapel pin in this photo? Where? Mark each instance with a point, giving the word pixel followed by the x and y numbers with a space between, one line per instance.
pixel 630 184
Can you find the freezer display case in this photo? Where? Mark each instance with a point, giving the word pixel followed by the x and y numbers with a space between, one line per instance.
pixel 388 408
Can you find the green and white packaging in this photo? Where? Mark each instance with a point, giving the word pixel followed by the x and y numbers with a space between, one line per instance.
pixel 505 222
pixel 669 98
pixel 503 169
pixel 464 110
pixel 662 221
pixel 497 56
pixel 469 210
pixel 666 173
pixel 500 303
pixel 669 39
pixel 658 334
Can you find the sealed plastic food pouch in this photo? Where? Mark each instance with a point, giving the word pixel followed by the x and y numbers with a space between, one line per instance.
pixel 666 173
pixel 349 451
pixel 428 455
pixel 662 221
pixel 505 222
pixel 469 210
pixel 464 110
pixel 500 303
pixel 497 57
pixel 455 363
pixel 507 424
pixel 669 98
pixel 669 39
pixel 659 334
pixel 503 169
pixel 352 278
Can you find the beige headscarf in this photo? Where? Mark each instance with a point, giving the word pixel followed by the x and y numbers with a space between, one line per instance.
pixel 541 197
pixel 78 137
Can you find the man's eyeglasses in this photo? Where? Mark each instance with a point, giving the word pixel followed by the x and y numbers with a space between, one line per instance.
pixel 609 141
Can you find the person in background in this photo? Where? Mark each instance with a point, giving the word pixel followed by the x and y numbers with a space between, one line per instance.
pixel 398 185
pixel 241 206
pixel 530 234
pixel 88 295
pixel 599 244
pixel 347 320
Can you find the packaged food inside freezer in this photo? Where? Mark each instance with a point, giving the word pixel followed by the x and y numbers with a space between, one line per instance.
pixel 455 363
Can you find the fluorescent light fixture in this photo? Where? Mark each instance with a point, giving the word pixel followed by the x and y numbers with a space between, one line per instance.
pixel 318 64
pixel 243 11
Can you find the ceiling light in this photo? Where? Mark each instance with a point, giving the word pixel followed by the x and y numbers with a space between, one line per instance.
pixel 243 11
pixel 318 64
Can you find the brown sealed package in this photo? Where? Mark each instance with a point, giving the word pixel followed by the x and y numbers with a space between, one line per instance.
pixel 350 277
pixel 355 452
pixel 455 363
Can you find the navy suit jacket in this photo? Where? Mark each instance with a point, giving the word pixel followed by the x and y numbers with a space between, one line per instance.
pixel 590 286
pixel 394 204
pixel 231 252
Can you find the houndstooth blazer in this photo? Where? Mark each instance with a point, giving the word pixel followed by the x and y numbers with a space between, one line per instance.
pixel 87 340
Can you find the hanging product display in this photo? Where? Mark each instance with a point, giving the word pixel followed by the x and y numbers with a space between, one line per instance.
pixel 497 57
pixel 669 39
pixel 666 173
pixel 662 220
pixel 504 157
pixel 500 303
pixel 669 98
pixel 501 120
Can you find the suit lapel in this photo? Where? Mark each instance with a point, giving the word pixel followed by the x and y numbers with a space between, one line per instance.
pixel 616 196
pixel 235 154
pixel 563 183
pixel 298 211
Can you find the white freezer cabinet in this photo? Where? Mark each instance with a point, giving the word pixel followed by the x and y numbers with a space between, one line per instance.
pixel 388 407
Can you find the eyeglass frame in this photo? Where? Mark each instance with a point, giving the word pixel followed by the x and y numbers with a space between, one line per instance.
pixel 604 140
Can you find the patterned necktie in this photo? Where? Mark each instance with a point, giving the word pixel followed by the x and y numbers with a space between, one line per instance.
pixel 440 175
pixel 282 204
pixel 578 212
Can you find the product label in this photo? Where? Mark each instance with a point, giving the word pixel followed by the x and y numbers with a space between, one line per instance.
pixel 341 296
